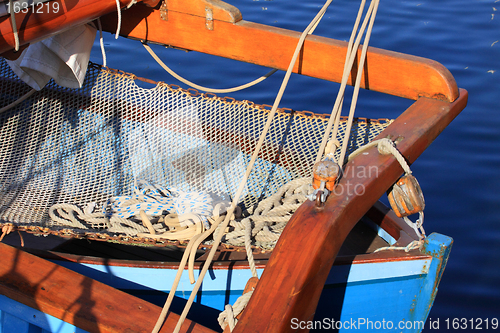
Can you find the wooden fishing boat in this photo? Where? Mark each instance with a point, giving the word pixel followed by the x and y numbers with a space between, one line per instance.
pixel 324 271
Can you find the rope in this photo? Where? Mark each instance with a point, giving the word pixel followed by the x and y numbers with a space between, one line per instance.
pixel 7 229
pixel 189 252
pixel 68 215
pixel 270 217
pixel 416 244
pixel 228 316
pixel 385 147
pixel 119 24
pixel 14 25
pixel 418 225
pixel 372 12
pixel 101 42
pixel 248 248
pixel 349 61
pixel 18 101
pixel 194 85
pixel 188 213
pixel 236 198
pixel 154 200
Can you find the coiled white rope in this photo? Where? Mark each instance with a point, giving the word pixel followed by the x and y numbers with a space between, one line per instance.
pixel 184 209
pixel 67 215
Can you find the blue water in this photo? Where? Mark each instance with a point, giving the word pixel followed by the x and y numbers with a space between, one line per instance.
pixel 458 172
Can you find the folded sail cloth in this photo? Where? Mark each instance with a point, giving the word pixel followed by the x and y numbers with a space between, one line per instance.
pixel 63 57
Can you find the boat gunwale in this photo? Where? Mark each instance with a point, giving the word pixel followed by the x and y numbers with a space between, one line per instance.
pixel 391 72
pixel 322 230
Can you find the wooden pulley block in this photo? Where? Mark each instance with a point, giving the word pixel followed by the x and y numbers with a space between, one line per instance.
pixel 406 197
pixel 325 171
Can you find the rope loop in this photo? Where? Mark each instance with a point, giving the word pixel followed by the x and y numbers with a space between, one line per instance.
pixel 386 147
pixel 228 316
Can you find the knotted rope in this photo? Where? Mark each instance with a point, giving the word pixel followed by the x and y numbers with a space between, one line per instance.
pixel 228 316
pixel 271 215
pixel 7 229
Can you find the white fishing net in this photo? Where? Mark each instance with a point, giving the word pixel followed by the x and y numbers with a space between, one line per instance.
pixel 112 142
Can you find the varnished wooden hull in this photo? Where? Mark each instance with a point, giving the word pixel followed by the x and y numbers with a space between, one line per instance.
pixel 363 288
pixel 386 288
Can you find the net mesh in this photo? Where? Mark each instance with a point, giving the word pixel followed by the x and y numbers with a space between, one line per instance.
pixel 85 146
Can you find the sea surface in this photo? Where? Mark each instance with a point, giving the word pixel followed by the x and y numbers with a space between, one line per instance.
pixel 459 173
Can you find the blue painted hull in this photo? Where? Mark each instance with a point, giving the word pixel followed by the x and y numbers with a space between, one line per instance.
pixel 19 318
pixel 365 295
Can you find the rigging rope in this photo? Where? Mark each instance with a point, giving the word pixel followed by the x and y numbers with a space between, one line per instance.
pixel 351 55
pixel 371 13
pixel 14 25
pixel 194 85
pixel 101 42
pixel 18 101
pixel 119 23
pixel 385 147
pixel 218 237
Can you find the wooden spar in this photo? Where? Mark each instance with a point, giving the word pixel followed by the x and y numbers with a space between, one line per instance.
pixel 184 24
pixel 300 263
pixel 48 21
pixel 214 27
pixel 76 299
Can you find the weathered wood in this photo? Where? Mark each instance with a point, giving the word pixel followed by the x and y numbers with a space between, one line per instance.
pixel 46 22
pixel 76 299
pixel 388 72
pixel 294 276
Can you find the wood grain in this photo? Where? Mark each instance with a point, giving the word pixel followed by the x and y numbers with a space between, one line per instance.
pixel 386 71
pixel 76 299
pixel 292 282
